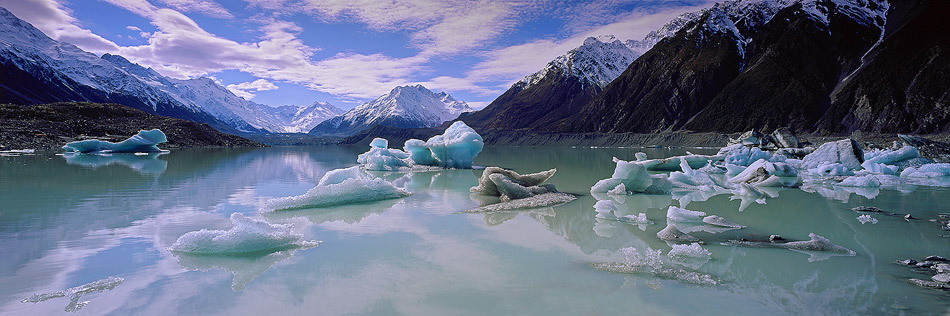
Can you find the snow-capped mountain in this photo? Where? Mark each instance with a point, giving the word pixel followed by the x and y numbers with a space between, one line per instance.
pixel 560 88
pixel 403 107
pixel 40 70
pixel 301 119
pixel 812 65
pixel 597 62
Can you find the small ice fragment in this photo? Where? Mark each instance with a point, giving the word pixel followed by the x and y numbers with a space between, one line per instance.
pixel 719 221
pixel 620 189
pixel 670 233
pixel 247 236
pixel 379 143
pixel 693 250
pixel 677 214
pixel 864 219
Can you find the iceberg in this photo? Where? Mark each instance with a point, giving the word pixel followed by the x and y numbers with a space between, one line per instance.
pixel 351 190
pixel 419 153
pixel 933 170
pixel 890 157
pixel 741 155
pixel 144 142
pixel 247 236
pixel 766 173
pixel 457 147
pixel 845 152
pixel 487 186
pixel 381 158
pixel 634 178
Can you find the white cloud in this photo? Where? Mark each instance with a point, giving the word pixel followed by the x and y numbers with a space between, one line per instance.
pixel 205 7
pixel 58 23
pixel 512 63
pixel 244 89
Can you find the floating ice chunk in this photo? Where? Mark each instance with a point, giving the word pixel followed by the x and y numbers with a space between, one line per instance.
pixel 673 163
pixel 534 202
pixel 766 173
pixel 740 155
pixel 671 233
pixel 693 250
pixel 339 175
pixel 816 243
pixel 890 157
pixel 511 190
pixel 382 158
pixel 17 152
pixel 692 179
pixel 683 215
pixel 634 177
pixel 379 143
pixel 419 153
pixel 864 219
pixel 846 152
pixel 868 181
pixel 488 187
pixel 457 147
pixel 933 170
pixel 607 209
pixel 247 236
pixel 144 141
pixel 353 190
pixel 75 293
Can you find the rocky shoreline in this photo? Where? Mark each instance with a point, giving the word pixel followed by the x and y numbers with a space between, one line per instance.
pixel 47 127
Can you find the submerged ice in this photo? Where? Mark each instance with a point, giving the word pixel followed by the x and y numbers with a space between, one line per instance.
pixel 75 293
pixel 247 236
pixel 814 246
pixel 144 141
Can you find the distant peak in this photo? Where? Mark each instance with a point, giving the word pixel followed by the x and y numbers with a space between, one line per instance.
pixel 600 39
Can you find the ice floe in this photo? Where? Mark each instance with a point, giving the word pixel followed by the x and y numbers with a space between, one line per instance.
pixel 144 141
pixel 350 190
pixel 247 236
pixel 634 177
pixel 75 293
pixel 693 250
pixel 846 152
pixel 864 219
pixel 538 201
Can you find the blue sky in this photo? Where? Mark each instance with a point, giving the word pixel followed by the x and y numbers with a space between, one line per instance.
pixel 345 52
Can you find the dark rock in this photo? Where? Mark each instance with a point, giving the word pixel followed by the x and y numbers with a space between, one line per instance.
pixel 936 259
pixel 933 150
pixel 774 238
pixel 908 217
pixel 50 126
pixel 908 262
pixel 867 209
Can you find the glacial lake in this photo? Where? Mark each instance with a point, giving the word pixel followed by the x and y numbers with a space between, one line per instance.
pixel 64 224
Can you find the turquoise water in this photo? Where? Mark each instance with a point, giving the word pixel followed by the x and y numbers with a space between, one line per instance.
pixel 65 223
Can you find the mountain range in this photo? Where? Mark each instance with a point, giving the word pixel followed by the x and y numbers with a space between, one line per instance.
pixel 37 69
pixel 403 107
pixel 813 65
pixel 816 66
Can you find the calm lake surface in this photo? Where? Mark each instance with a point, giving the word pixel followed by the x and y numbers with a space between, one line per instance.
pixel 68 223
